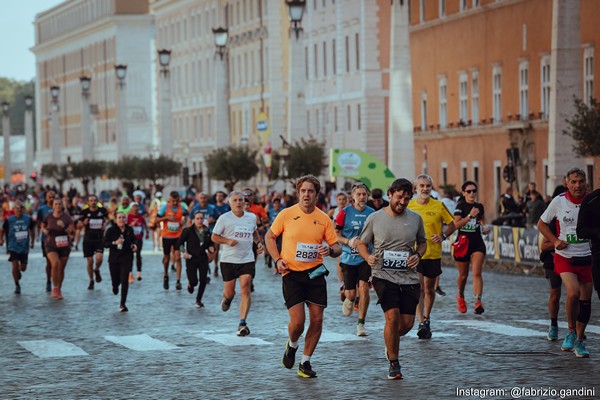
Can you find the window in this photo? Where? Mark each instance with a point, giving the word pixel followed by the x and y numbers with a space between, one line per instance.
pixel 442 8
pixel 475 3
pixel 445 173
pixel 333 55
pixel 306 62
pixel 463 5
pixel 349 117
pixel 463 168
pixel 476 171
pixel 463 99
pixel 422 10
pixel 335 119
pixel 545 77
pixel 324 58
pixel 443 102
pixel 590 174
pixel 497 178
pixel 424 111
pixel 316 51
pixel 475 97
pixel 347 54
pixel 497 93
pixel 524 90
pixel 588 74
pixel 357 51
pixel 358 121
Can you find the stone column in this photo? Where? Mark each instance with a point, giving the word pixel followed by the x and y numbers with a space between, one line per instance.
pixel 166 128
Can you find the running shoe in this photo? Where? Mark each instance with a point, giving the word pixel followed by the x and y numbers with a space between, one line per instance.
pixel 48 286
pixel 130 278
pixel 166 282
pixel 305 370
pixel 580 350
pixel 439 291
pixel 395 371
pixel 424 331
pixel 552 333
pixel 243 330
pixel 123 309
pixel 173 267
pixel 347 307
pixel 190 289
pixel 289 355
pixel 569 341
pixel 17 289
pixel 91 285
pixel 479 308
pixel 115 290
pixel 225 304
pixel 461 304
pixel 98 276
pixel 139 276
pixel 361 331
pixel 199 304
pixel 178 285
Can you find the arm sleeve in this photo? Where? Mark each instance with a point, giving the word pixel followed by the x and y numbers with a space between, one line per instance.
pixel 340 219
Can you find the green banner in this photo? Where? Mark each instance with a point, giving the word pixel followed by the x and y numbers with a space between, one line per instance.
pixel 360 166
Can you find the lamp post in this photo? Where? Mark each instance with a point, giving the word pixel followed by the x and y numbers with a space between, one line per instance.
pixel 6 136
pixel 122 139
pixel 55 134
pixel 222 134
pixel 29 145
pixel 186 169
pixel 87 142
pixel 166 136
pixel 296 80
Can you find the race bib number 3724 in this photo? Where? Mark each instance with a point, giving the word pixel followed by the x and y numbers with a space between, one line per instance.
pixel 396 260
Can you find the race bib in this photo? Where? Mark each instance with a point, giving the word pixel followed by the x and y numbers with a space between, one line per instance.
pixel 96 224
pixel 61 241
pixel 354 251
pixel 21 235
pixel 243 233
pixel 396 260
pixel 137 230
pixel 572 237
pixel 173 226
pixel 306 252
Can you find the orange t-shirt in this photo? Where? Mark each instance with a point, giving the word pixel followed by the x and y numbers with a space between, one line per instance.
pixel 302 233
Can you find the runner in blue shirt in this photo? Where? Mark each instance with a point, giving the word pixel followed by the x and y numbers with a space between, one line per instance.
pixel 20 237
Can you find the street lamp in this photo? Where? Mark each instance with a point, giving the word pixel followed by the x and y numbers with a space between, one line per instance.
pixel 121 72
pixel 54 92
pixel 87 142
pixel 28 102
pixel 122 139
pixel 221 38
pixel 166 136
pixel 6 137
pixel 296 11
pixel 29 144
pixel 186 169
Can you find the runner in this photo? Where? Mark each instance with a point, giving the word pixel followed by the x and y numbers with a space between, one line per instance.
pixel 194 243
pixel 155 228
pixel 210 217
pixel 355 270
pixel 469 217
pixel 434 214
pixel 303 228
pixel 341 202
pixel 172 215
pixel 236 230
pixel 43 211
pixel 395 233
pixel 19 229
pixel 572 259
pixel 588 227
pixel 93 219
pixel 59 230
pixel 137 222
pixel 120 239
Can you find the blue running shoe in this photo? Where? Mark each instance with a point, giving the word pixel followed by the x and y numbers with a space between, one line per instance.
pixel 394 372
pixel 552 333
pixel 569 341
pixel 580 350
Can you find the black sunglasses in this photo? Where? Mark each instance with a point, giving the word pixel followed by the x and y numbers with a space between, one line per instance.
pixel 471 191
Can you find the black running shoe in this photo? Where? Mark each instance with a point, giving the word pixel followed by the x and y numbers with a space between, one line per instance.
pixel 173 268
pixel 115 290
pixel 225 304
pixel 124 309
pixel 306 371
pixel 17 289
pixel 178 285
pixel 48 286
pixel 439 291
pixel 424 331
pixel 190 289
pixel 289 356
pixel 98 276
pixel 166 282
pixel 395 371
pixel 91 285
pixel 243 330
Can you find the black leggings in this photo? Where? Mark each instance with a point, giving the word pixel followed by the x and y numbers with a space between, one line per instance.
pixel 197 273
pixel 138 254
pixel 119 274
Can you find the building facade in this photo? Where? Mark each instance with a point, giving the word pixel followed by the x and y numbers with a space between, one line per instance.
pixel 482 84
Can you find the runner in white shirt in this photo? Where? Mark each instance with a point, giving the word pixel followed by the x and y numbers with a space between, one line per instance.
pixel 236 230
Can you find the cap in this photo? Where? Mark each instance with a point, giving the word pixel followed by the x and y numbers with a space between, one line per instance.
pixel 134 203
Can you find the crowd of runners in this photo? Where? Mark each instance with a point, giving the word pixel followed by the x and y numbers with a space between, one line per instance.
pixel 393 247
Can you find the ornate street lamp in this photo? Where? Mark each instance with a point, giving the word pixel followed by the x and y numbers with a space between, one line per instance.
pixel 5 108
pixel 86 83
pixel 221 38
pixel 296 11
pixel 121 72
pixel 164 59
pixel 28 102
pixel 87 142
pixel 54 92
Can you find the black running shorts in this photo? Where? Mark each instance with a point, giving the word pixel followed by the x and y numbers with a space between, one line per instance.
pixel 20 257
pixel 430 268
pixel 91 247
pixel 391 295
pixel 230 271
pixel 354 273
pixel 299 288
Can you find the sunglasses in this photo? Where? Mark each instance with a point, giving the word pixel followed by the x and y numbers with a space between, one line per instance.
pixel 471 191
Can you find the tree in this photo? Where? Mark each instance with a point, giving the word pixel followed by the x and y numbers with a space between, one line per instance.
pixel 306 157
pixel 88 170
pixel 584 128
pixel 58 172
pixel 232 164
pixel 154 169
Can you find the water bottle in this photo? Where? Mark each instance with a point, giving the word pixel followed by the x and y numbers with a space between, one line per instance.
pixel 120 245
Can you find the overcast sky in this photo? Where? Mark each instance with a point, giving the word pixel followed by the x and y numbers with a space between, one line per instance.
pixel 18 36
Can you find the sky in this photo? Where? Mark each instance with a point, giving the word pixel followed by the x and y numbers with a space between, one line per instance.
pixel 18 36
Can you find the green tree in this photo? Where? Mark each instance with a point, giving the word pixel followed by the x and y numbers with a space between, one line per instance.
pixel 306 157
pixel 584 128
pixel 154 169
pixel 58 172
pixel 232 164
pixel 88 170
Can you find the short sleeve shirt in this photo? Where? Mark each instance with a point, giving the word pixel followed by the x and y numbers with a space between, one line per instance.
pixel 434 214
pixel 301 234
pixel 566 213
pixel 18 233
pixel 240 229
pixel 350 222
pixel 94 230
pixel 474 225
